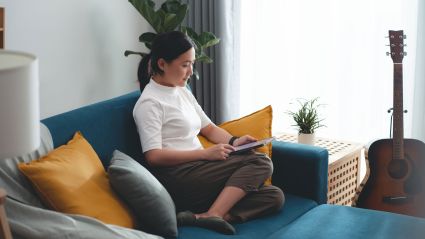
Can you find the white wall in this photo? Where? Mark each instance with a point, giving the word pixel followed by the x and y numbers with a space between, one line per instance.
pixel 80 46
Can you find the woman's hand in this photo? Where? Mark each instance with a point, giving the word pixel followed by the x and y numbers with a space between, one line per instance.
pixel 244 140
pixel 218 152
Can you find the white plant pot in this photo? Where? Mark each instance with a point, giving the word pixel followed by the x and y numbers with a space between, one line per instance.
pixel 306 139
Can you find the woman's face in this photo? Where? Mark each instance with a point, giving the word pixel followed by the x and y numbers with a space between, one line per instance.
pixel 178 71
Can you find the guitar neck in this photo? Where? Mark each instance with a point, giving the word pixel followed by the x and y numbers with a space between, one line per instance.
pixel 398 126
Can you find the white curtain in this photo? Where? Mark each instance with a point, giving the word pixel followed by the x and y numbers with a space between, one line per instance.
pixel 418 129
pixel 334 50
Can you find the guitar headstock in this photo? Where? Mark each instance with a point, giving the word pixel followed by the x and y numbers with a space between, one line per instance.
pixel 396 45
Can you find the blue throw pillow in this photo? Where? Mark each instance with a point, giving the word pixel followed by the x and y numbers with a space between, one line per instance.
pixel 148 199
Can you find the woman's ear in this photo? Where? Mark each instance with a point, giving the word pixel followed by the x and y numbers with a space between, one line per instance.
pixel 161 64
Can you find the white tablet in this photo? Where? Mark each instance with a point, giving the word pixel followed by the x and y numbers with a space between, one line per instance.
pixel 246 147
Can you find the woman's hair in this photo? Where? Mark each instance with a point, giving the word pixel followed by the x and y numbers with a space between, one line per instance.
pixel 168 46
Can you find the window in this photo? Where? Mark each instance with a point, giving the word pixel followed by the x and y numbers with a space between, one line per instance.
pixel 334 50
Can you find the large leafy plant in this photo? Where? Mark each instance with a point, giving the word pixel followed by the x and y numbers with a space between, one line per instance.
pixel 167 18
pixel 307 117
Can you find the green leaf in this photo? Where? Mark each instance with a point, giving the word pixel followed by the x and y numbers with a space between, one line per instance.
pixel 212 42
pixel 146 9
pixel 171 6
pixel 169 22
pixel 161 14
pixel 208 39
pixel 177 18
pixel 194 36
pixel 127 53
pixel 139 3
pixel 204 58
pixel 147 37
pixel 191 33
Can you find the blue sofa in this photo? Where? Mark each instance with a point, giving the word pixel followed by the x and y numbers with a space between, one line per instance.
pixel 300 170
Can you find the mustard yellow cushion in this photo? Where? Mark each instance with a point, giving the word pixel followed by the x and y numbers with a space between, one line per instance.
pixel 71 179
pixel 257 124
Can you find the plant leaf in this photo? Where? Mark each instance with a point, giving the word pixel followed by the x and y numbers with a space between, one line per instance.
pixel 147 37
pixel 208 39
pixel 307 117
pixel 174 22
pixel 128 52
pixel 171 6
pixel 204 58
pixel 191 33
pixel 146 9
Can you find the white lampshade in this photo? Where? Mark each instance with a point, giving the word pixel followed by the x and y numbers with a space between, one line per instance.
pixel 19 104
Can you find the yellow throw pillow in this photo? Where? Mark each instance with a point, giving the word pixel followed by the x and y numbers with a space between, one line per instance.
pixel 257 124
pixel 71 179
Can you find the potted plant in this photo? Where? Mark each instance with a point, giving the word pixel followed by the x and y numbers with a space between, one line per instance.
pixel 306 120
pixel 169 18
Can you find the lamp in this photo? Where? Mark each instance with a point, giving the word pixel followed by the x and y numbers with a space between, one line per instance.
pixel 19 112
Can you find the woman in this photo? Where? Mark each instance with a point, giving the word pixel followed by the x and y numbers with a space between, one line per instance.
pixel 209 187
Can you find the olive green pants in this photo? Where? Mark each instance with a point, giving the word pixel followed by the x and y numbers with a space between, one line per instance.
pixel 195 185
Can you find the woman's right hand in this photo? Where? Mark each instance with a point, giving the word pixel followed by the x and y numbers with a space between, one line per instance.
pixel 218 152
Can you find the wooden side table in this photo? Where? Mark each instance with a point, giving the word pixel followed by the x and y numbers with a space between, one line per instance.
pixel 4 225
pixel 344 167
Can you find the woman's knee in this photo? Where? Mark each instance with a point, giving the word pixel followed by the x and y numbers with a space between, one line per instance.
pixel 264 163
pixel 277 198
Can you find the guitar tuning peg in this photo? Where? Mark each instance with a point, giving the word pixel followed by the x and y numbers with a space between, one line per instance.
pixel 404 36
pixel 387 53
pixel 404 53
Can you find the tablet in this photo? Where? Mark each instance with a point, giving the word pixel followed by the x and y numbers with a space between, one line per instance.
pixel 246 147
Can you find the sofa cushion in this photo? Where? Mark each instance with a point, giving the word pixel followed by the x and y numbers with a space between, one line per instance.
pixel 148 199
pixel 71 179
pixel 332 221
pixel 257 124
pixel 262 227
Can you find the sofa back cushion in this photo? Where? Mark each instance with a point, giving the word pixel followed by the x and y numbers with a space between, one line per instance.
pixel 71 179
pixel 107 125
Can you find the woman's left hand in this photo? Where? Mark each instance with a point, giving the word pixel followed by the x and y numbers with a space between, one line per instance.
pixel 244 140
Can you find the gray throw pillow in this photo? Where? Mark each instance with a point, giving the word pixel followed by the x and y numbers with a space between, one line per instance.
pixel 144 194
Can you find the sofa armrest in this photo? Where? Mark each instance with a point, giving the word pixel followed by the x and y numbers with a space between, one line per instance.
pixel 301 170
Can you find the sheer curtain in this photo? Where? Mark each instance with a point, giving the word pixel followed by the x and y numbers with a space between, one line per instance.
pixel 331 49
pixel 218 80
pixel 418 129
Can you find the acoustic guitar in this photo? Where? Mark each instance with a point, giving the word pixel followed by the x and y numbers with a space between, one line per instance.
pixel 395 181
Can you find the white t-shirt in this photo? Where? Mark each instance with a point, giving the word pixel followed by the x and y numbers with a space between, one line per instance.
pixel 168 118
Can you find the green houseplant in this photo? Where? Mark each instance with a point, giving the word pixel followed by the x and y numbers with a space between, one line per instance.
pixel 169 17
pixel 307 120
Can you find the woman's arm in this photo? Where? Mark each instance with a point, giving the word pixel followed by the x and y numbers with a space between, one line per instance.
pixel 218 135
pixel 169 157
pixel 220 151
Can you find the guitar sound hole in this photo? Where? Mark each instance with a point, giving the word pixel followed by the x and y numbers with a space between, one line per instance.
pixel 397 168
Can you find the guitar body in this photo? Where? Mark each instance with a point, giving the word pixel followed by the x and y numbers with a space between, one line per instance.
pixel 400 193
